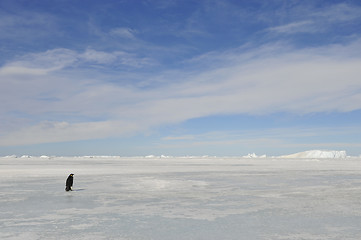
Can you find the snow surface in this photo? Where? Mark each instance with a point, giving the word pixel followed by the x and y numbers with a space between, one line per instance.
pixel 180 198
pixel 318 154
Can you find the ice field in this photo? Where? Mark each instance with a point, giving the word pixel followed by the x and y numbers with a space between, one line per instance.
pixel 180 198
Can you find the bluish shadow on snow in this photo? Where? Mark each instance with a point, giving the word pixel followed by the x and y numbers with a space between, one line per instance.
pixel 182 199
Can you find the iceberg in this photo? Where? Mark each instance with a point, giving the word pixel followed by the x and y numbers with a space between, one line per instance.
pixel 317 154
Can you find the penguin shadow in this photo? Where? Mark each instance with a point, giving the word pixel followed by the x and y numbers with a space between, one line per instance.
pixel 76 190
pixel 79 189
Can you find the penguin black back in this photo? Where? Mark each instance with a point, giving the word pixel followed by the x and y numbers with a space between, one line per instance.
pixel 69 183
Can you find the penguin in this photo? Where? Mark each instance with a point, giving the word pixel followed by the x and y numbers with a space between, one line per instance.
pixel 69 183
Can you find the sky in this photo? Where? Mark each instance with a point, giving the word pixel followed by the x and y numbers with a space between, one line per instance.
pixel 179 77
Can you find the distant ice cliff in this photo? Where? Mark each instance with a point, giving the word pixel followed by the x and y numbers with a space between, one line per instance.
pixel 317 154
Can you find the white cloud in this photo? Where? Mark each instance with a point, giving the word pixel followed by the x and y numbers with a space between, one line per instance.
pixel 297 27
pixel 271 80
pixel 60 58
pixel 123 33
pixel 299 81
pixel 185 137
pixel 26 25
pixel 46 132
pixel 48 61
pixel 91 55
pixel 14 70
pixel 267 140
pixel 116 58
pixel 320 20
pixel 338 13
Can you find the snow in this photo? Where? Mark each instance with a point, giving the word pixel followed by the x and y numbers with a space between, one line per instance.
pixel 253 155
pixel 306 154
pixel 180 198
pixel 318 154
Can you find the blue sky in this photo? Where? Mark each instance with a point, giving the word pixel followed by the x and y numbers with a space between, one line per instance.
pixel 223 78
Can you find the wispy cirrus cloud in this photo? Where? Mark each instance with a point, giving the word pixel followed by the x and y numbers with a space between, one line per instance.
pixel 297 27
pixel 48 131
pixel 61 58
pixel 264 140
pixel 26 24
pixel 48 61
pixel 300 81
pixel 123 33
pixel 319 21
pixel 341 12
pixel 124 77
